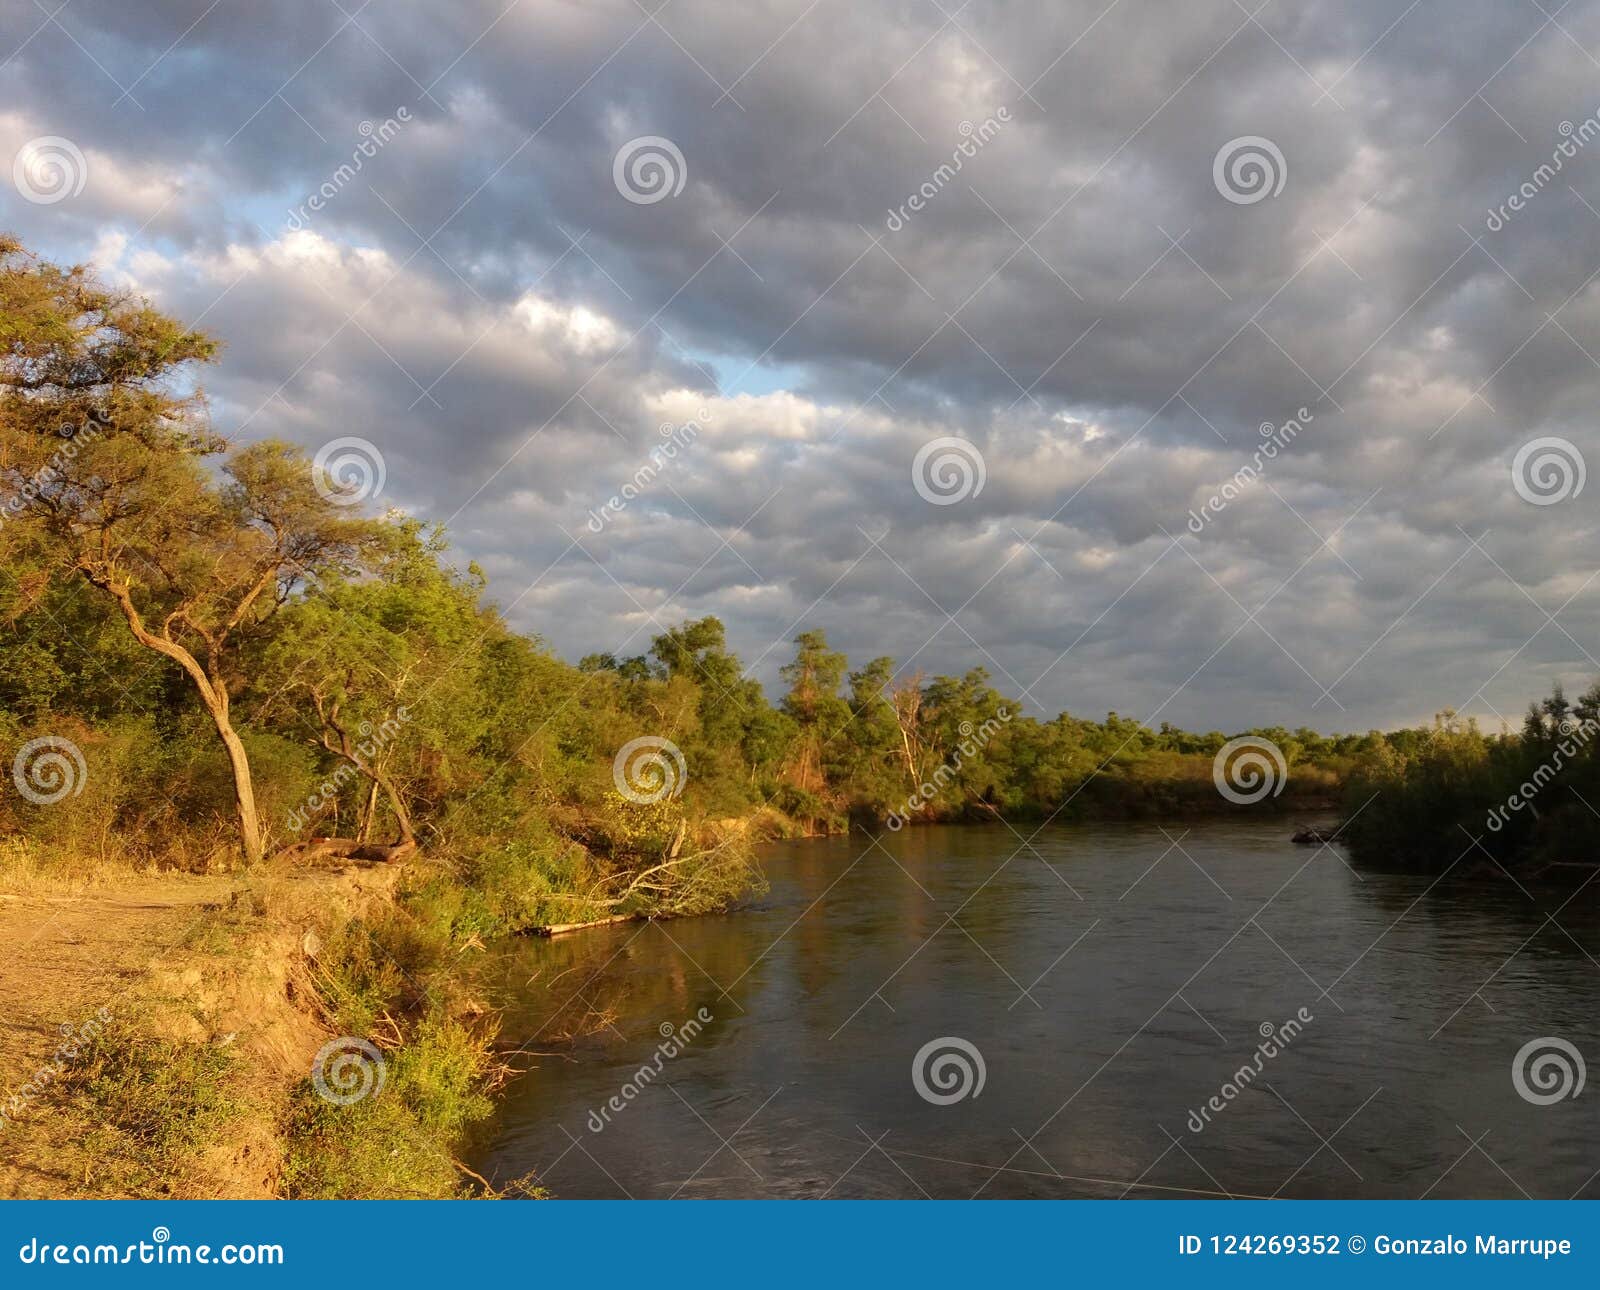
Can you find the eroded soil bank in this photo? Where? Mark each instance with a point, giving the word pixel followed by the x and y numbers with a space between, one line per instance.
pixel 213 969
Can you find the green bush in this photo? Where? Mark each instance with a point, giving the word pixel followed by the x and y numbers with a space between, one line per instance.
pixel 400 1141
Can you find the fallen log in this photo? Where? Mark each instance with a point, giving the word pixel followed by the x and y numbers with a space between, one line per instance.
pixel 560 929
pixel 347 849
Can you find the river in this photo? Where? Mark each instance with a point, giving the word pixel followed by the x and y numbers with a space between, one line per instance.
pixel 1083 1005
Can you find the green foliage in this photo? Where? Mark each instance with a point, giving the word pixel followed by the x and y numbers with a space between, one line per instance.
pixel 398 1142
pixel 381 966
pixel 516 884
pixel 374 1149
pixel 393 975
pixel 1436 798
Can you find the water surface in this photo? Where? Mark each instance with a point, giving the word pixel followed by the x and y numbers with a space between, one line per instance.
pixel 1112 978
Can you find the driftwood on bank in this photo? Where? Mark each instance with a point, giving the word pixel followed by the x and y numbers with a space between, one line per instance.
pixel 559 929
pixel 348 849
pixel 658 880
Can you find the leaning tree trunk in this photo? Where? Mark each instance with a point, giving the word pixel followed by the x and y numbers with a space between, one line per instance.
pixel 397 804
pixel 244 793
pixel 213 694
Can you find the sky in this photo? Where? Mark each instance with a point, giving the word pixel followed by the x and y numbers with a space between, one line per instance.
pixel 1228 364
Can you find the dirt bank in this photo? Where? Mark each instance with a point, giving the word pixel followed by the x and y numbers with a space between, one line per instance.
pixel 182 960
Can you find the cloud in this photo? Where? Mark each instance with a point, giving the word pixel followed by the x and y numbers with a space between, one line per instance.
pixel 1075 298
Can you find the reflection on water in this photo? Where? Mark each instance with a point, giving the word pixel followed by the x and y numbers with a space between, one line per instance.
pixel 1112 980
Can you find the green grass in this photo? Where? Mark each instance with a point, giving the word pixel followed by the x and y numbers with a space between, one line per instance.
pixel 155 1104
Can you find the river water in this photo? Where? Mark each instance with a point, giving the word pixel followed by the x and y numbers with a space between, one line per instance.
pixel 1081 997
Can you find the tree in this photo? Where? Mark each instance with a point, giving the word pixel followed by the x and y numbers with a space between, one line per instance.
pixel 878 755
pixel 739 736
pixel 106 456
pixel 388 662
pixel 814 704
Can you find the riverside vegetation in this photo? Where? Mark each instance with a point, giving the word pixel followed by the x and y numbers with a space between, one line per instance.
pixel 211 662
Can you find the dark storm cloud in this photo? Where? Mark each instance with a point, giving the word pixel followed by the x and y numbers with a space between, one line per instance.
pixel 1078 300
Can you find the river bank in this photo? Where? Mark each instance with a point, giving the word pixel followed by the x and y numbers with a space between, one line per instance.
pixel 283 1030
pixel 197 1037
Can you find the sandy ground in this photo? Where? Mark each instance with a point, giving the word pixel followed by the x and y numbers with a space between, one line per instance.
pixel 62 958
